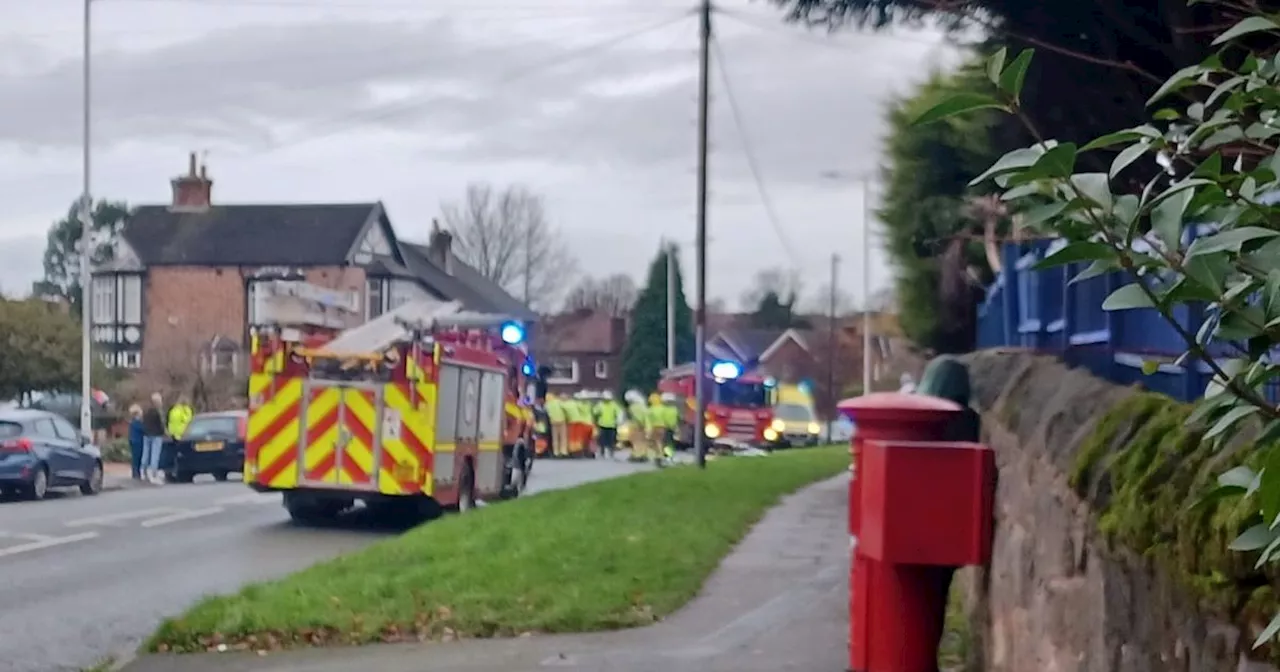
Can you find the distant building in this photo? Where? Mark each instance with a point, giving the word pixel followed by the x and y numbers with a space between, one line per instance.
pixel 181 284
pixel 583 350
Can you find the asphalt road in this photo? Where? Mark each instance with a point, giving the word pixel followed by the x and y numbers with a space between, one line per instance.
pixel 82 578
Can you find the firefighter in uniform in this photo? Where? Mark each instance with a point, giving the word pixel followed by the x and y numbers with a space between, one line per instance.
pixel 608 414
pixel 573 414
pixel 558 416
pixel 636 412
pixel 653 428
pixel 670 416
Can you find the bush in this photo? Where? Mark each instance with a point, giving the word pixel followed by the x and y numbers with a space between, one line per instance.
pixel 116 450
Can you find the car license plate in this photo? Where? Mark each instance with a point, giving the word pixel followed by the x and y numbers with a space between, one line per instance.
pixel 208 446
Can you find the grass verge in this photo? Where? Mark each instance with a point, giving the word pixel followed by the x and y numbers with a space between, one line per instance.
pixel 606 555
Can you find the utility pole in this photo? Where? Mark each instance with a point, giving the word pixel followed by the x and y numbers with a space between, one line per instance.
pixel 86 250
pixel 831 347
pixel 866 285
pixel 671 305
pixel 700 328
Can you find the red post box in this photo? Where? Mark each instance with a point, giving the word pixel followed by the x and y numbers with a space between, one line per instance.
pixel 918 507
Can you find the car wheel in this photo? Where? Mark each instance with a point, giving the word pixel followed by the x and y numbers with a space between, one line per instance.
pixel 220 475
pixel 93 485
pixel 39 487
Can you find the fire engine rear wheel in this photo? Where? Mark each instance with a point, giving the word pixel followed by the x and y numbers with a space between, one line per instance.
pixel 313 510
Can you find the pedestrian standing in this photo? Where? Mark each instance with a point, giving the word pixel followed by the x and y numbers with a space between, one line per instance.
pixel 153 430
pixel 136 437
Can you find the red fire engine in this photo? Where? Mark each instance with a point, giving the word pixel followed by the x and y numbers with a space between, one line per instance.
pixel 739 405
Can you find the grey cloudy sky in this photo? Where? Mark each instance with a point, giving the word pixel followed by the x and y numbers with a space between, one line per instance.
pixel 314 100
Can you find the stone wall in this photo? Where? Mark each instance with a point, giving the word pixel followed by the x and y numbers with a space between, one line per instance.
pixel 1062 594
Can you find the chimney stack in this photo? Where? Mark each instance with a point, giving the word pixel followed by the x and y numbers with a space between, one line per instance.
pixel 192 192
pixel 440 247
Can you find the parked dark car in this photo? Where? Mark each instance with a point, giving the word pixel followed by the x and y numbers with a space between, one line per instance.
pixel 40 450
pixel 212 444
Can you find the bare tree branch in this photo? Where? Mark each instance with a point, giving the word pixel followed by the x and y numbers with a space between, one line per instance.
pixel 506 236
pixel 614 295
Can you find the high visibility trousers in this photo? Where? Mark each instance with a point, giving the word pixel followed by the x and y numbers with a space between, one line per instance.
pixel 639 442
pixel 657 439
pixel 559 438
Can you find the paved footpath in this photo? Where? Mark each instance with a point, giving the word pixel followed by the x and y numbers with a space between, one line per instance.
pixel 778 602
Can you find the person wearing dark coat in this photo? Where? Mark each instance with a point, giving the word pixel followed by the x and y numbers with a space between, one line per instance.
pixel 136 438
pixel 947 378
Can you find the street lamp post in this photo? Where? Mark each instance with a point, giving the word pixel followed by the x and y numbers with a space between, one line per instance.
pixel 867 325
pixel 86 249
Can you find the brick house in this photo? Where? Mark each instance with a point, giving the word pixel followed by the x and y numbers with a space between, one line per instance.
pixel 583 349
pixel 179 289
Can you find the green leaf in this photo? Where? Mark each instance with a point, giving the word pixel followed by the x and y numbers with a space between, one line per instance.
pixel 1166 114
pixel 1129 297
pixel 1082 250
pixel 1242 477
pixel 1095 187
pixel 1013 76
pixel 1018 159
pixel 1120 137
pixel 1252 24
pixel 1271 294
pixel 1127 156
pixel 1180 80
pixel 1210 271
pixel 1214 496
pixel 1097 268
pixel 1229 240
pixel 1057 162
pixel 1150 367
pixel 1210 168
pixel 1042 213
pixel 995 65
pixel 1228 420
pixel 958 104
pixel 1166 219
pixel 1268 633
pixel 1252 539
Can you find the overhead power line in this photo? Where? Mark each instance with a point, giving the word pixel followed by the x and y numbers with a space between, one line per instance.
pixel 416 102
pixel 749 150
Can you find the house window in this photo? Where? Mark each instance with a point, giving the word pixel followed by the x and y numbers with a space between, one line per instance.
pixel 375 299
pixel 563 372
pixel 129 301
pixel 130 359
pixel 221 357
pixel 405 291
pixel 256 298
pixel 104 299
pixel 602 369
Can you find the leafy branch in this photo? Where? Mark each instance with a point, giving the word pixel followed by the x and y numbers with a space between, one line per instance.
pixel 1218 151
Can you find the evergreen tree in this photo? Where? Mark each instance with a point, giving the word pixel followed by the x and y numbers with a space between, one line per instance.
pixel 646 352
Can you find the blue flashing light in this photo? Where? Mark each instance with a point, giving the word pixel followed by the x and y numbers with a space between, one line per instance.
pixel 725 370
pixel 512 333
pixel 527 368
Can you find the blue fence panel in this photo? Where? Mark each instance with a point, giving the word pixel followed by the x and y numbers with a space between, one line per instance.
pixel 1043 310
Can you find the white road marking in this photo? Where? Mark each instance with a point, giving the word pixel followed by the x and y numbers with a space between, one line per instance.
pixel 181 516
pixel 251 498
pixel 119 517
pixel 46 543
pixel 25 536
